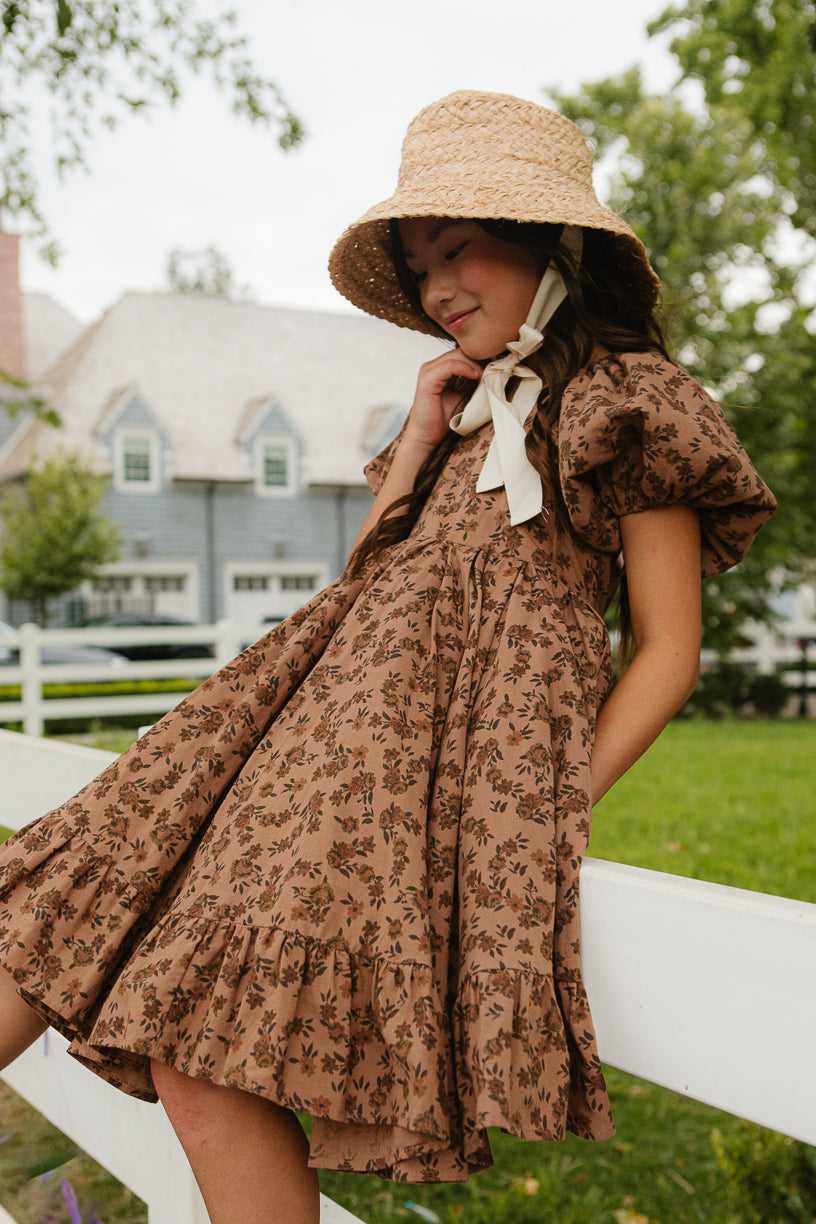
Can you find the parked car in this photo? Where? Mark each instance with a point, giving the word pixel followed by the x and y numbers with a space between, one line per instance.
pixel 92 656
pixel 153 650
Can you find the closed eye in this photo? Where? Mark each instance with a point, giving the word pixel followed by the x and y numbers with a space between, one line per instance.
pixel 419 277
pixel 454 251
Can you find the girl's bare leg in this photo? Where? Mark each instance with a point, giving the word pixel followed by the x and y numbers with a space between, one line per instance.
pixel 19 1023
pixel 248 1155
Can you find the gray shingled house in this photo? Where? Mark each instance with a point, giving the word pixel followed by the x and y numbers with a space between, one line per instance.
pixel 234 435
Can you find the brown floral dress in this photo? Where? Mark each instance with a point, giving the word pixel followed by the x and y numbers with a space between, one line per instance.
pixel 343 873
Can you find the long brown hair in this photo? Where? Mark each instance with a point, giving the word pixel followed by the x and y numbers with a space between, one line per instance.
pixel 600 308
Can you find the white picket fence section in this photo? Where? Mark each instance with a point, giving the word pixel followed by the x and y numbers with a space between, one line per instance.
pixel 707 990
pixel 771 650
pixel 33 707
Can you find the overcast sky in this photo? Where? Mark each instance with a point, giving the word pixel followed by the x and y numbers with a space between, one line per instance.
pixel 356 72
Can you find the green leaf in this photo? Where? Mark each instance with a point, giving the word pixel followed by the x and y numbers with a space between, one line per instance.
pixel 109 59
pixel 65 17
pixel 708 187
pixel 11 11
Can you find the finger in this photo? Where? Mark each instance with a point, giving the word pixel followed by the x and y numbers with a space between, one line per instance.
pixel 439 373
pixel 463 365
pixel 453 356
pixel 463 383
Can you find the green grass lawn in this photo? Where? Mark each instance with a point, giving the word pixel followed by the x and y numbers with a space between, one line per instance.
pixel 40 1168
pixel 726 801
pixel 110 739
pixel 733 802
pixel 661 1166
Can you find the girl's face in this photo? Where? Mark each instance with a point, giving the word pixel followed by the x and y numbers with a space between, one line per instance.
pixel 477 287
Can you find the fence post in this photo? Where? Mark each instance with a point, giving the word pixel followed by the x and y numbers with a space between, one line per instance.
pixel 227 643
pixel 31 683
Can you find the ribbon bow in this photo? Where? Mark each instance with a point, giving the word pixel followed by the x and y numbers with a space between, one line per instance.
pixel 506 462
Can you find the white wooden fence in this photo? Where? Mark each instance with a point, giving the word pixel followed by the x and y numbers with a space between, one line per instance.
pixel 130 1138
pixel 771 650
pixel 707 990
pixel 33 707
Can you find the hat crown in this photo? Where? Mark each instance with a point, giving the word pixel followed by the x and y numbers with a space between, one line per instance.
pixel 489 157
pixel 469 136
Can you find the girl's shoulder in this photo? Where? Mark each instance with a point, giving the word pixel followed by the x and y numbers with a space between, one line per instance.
pixel 643 399
pixel 645 376
pixel 637 431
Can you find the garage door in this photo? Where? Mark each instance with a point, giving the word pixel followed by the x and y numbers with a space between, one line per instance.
pixel 259 595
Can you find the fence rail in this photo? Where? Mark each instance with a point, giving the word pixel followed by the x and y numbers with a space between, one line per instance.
pixel 771 651
pixel 32 675
pixel 707 990
pixel 131 1139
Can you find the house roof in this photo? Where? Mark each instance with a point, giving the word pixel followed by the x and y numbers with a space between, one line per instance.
pixel 204 365
pixel 48 331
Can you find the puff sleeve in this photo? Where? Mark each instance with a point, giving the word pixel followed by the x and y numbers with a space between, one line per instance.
pixel 635 432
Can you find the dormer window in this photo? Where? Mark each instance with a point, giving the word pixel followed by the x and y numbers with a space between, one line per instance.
pixel 136 462
pixel 275 465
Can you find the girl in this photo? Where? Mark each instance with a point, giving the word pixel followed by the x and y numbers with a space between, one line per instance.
pixel 342 876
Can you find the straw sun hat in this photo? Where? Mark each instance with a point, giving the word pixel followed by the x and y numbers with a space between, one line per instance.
pixel 481 155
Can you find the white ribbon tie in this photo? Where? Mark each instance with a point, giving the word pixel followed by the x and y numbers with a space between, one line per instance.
pixel 506 462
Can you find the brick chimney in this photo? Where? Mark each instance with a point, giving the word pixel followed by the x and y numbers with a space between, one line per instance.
pixel 11 307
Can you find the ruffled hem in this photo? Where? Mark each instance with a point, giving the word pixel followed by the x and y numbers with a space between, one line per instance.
pixel 400 1082
pixel 87 912
pixel 404 1062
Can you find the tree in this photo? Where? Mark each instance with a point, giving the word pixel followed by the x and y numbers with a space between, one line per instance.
pixel 757 61
pixel 206 272
pixel 53 535
pixel 104 59
pixel 696 184
pixel 18 396
pixel 690 184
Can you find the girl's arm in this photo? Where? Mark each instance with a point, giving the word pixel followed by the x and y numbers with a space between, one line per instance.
pixel 435 402
pixel 662 551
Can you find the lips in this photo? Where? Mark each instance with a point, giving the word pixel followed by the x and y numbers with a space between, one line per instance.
pixel 455 321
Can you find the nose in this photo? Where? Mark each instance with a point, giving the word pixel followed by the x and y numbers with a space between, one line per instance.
pixel 437 288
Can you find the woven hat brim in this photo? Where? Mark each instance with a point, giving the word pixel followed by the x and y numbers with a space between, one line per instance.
pixel 361 264
pixel 483 156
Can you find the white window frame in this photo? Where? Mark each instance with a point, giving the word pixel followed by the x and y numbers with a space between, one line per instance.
pixel 285 443
pixel 137 569
pixel 121 437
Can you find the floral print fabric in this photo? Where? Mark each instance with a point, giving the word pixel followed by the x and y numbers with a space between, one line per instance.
pixel 344 872
pixel 642 433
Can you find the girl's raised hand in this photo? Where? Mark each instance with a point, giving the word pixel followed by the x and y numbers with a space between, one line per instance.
pixel 443 385
pixel 442 388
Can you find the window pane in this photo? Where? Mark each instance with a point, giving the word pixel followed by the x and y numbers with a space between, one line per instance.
pixel 136 460
pixel 112 582
pixel 165 582
pixel 297 582
pixel 275 467
pixel 250 582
